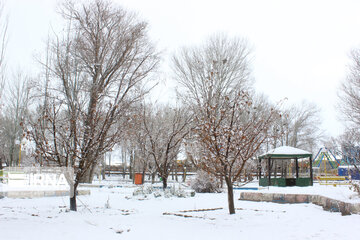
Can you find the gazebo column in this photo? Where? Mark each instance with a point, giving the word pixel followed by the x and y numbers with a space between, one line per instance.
pixel 311 171
pixel 259 169
pixel 297 167
pixel 269 171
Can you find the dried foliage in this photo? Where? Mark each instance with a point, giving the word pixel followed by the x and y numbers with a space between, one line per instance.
pixel 229 127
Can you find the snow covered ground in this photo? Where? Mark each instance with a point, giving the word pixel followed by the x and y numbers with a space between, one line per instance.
pixel 113 213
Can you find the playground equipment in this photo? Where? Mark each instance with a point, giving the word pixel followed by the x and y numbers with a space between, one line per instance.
pixel 335 169
pixel 325 163
pixel 349 171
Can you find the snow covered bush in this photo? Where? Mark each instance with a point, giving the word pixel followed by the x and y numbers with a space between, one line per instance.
pixel 177 192
pixel 355 186
pixel 205 183
pixel 145 191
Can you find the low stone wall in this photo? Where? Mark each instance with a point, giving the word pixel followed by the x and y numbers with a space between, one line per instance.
pixel 39 194
pixel 328 204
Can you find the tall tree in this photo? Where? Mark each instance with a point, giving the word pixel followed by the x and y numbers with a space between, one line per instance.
pixel 15 118
pixel 349 107
pixel 349 93
pixel 99 70
pixel 3 43
pixel 228 127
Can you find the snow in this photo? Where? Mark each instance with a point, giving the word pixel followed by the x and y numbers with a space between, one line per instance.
pixel 113 213
pixel 338 192
pixel 286 150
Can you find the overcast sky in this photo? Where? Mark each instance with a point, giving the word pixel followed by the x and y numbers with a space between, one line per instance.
pixel 300 48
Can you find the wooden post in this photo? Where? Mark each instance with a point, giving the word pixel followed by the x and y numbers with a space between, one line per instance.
pixel 311 171
pixel 269 171
pixel 297 167
pixel 259 169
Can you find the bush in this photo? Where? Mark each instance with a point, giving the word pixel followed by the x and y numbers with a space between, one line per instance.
pixel 205 183
pixel 355 186
pixel 146 191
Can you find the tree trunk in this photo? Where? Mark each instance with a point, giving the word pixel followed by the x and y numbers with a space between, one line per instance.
pixel 184 174
pixel 153 177
pixel 103 172
pixel 143 176
pixel 109 164
pixel 92 172
pixel 176 174
pixel 73 198
pixel 164 180
pixel 230 195
pixel 88 176
pixel 131 168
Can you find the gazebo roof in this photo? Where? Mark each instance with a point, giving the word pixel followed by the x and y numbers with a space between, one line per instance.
pixel 286 152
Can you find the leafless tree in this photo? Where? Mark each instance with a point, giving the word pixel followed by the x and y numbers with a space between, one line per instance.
pixel 349 144
pixel 165 129
pixel 228 127
pixel 349 94
pixel 349 106
pixel 3 43
pixel 298 127
pixel 15 117
pixel 137 134
pixel 98 71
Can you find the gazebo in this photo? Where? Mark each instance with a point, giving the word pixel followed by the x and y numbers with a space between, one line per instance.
pixel 285 166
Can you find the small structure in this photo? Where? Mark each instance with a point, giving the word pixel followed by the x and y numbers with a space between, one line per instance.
pixel 285 166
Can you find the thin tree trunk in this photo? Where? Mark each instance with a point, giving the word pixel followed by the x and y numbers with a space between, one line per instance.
pixel 143 175
pixel 153 177
pixel 230 195
pixel 164 180
pixel 103 168
pixel 109 164
pixel 176 174
pixel 184 174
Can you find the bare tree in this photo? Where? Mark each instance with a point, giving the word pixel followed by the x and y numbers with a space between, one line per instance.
pixel 165 129
pixel 137 134
pixel 349 94
pixel 349 106
pixel 299 127
pixel 229 128
pixel 15 117
pixel 98 72
pixel 3 43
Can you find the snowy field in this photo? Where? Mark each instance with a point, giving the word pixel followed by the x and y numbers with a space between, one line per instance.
pixel 114 213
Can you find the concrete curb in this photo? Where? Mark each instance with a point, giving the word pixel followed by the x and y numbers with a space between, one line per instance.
pixel 328 204
pixel 39 194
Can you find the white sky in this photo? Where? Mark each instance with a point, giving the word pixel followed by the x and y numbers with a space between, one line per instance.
pixel 300 48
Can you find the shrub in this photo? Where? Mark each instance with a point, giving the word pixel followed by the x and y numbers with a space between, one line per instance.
pixel 205 183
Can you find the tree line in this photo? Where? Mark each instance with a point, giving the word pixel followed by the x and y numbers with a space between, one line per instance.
pixel 92 97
